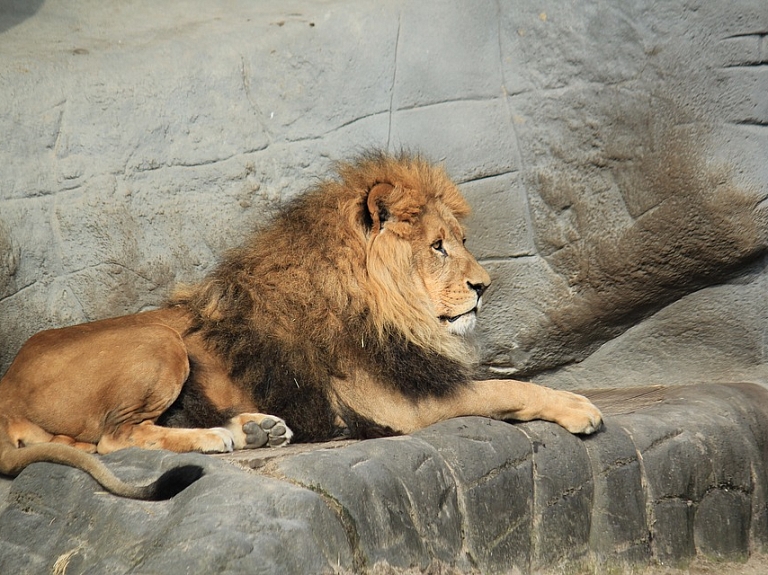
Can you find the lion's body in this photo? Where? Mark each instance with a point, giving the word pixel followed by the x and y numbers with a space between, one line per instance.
pixel 343 317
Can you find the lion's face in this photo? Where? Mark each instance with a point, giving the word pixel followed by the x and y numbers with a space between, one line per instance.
pixel 451 275
pixel 420 277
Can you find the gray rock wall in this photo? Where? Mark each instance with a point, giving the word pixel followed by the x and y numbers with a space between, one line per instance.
pixel 614 152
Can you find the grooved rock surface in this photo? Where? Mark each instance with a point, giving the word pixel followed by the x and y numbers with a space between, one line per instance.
pixel 681 475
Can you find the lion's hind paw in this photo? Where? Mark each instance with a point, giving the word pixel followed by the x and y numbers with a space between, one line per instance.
pixel 253 430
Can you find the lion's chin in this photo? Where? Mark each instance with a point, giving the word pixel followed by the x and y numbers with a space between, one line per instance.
pixel 461 325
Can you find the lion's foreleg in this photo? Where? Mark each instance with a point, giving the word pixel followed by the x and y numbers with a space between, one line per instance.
pixel 147 435
pixel 521 401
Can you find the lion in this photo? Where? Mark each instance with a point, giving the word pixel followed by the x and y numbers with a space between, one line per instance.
pixel 345 316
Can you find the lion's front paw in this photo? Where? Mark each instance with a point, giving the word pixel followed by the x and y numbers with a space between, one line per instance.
pixel 216 440
pixel 576 413
pixel 253 430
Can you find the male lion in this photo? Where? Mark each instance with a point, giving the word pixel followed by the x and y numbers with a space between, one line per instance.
pixel 343 317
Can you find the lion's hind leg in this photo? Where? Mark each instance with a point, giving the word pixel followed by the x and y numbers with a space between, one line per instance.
pixel 253 430
pixel 23 433
pixel 81 445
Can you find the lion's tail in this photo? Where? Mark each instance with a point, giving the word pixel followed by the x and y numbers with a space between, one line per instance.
pixel 13 460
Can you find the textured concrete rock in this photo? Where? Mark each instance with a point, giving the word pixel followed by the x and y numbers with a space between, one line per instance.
pixel 493 470
pixel 563 497
pixel 396 495
pixel 619 517
pixel 614 153
pixel 705 336
pixel 663 483
pixel 228 522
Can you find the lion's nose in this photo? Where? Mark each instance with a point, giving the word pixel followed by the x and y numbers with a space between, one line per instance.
pixel 479 288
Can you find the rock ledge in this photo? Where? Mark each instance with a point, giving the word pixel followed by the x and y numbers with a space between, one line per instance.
pixel 677 473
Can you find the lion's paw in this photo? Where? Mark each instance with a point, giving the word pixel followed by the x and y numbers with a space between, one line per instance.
pixel 217 440
pixel 253 430
pixel 577 414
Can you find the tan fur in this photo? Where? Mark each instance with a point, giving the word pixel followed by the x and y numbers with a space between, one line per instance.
pixel 372 260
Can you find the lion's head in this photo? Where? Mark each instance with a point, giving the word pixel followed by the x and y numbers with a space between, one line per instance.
pixel 421 278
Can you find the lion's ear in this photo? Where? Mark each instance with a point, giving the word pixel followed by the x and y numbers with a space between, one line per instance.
pixel 394 205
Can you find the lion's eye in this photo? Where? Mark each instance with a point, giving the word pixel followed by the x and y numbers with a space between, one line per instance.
pixel 438 247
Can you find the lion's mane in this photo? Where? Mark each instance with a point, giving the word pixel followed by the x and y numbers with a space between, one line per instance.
pixel 315 295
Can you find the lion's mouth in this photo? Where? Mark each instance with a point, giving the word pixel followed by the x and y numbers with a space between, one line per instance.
pixel 472 312
pixel 462 323
pixel 453 319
